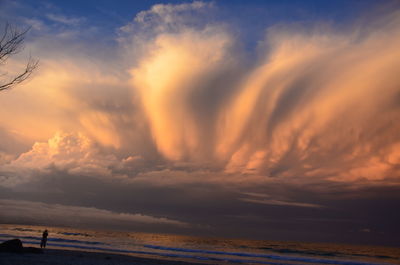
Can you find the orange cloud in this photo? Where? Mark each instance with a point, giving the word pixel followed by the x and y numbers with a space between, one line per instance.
pixel 166 81
pixel 72 153
pixel 313 104
pixel 315 98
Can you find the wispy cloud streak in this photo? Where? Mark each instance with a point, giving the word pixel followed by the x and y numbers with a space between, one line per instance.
pixel 14 210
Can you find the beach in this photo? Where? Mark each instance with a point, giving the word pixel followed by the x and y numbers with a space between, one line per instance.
pixel 68 257
pixel 66 246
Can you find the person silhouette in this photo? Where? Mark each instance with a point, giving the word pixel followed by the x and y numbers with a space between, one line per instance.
pixel 44 239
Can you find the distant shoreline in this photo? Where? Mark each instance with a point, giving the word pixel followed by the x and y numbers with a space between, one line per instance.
pixel 77 257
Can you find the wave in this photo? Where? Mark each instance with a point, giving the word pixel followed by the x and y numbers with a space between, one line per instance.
pixel 56 239
pixel 170 255
pixel 24 229
pixel 268 256
pixel 60 233
pixel 306 252
pixel 320 253
pixel 96 246
pixel 73 234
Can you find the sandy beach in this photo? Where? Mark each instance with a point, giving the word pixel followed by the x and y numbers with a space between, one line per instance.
pixel 69 257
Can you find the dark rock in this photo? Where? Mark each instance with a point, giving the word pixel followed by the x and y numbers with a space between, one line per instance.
pixel 13 245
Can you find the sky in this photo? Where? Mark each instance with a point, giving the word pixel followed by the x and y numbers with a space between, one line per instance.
pixel 274 120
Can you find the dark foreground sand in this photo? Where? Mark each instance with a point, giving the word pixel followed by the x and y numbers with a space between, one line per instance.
pixel 70 257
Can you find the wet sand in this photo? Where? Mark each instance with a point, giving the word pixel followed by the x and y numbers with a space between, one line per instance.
pixel 70 257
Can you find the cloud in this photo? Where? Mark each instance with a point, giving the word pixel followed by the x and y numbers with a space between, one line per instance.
pixel 13 210
pixel 260 198
pixel 182 118
pixel 365 230
pixel 71 153
pixel 306 105
pixel 318 103
pixel 70 21
pixel 36 24
pixel 163 17
pixel 280 203
pixel 167 90
pixel 169 12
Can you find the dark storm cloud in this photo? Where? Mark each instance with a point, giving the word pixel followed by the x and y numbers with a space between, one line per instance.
pixel 219 210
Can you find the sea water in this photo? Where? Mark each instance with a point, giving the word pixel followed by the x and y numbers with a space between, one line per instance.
pixel 202 249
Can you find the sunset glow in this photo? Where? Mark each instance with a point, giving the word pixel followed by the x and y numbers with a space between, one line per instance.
pixel 174 112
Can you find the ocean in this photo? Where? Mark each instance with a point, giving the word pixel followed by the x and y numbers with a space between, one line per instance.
pixel 202 249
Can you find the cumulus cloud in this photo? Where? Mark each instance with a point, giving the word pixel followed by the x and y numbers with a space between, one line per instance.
pixel 71 153
pixel 317 106
pixel 317 103
pixel 175 96
pixel 13 210
pixel 308 104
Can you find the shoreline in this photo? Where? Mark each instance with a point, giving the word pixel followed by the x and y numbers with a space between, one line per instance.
pixel 77 257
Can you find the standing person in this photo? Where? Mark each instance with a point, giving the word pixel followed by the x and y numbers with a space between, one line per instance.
pixel 44 239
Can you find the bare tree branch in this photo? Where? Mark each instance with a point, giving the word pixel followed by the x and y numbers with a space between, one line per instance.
pixel 11 42
pixel 30 66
